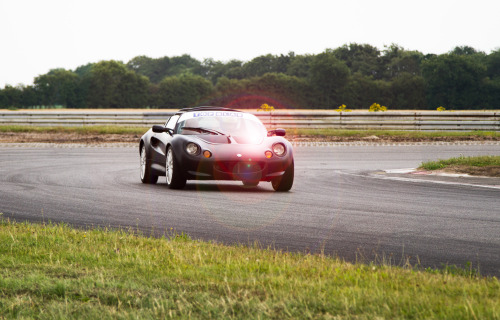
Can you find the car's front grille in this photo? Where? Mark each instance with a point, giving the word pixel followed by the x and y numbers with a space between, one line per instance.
pixel 239 167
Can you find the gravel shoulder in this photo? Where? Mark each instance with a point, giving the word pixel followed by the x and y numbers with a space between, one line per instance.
pixel 62 137
pixel 96 138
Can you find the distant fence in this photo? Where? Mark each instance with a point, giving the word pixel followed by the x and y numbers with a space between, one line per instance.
pixel 356 120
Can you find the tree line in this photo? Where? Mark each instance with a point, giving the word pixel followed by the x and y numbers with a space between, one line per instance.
pixel 356 75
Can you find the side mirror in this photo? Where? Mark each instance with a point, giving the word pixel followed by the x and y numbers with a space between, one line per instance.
pixel 276 132
pixel 160 129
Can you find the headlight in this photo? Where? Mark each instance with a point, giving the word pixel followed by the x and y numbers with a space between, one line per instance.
pixel 192 149
pixel 279 149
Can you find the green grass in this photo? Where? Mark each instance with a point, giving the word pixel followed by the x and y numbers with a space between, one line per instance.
pixel 80 129
pixel 478 161
pixel 304 131
pixel 54 271
pixel 391 133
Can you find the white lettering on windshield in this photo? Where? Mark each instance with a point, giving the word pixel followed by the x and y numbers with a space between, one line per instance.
pixel 217 114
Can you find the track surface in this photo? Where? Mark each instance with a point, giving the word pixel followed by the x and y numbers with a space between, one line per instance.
pixel 340 203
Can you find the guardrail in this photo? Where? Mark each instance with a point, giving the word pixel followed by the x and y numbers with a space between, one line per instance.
pixel 356 120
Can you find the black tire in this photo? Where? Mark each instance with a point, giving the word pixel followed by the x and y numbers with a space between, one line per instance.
pixel 145 168
pixel 285 182
pixel 175 179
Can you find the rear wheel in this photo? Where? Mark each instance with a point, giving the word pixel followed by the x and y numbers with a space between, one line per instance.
pixel 145 169
pixel 285 182
pixel 175 179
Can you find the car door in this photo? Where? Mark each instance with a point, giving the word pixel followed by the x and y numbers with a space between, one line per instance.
pixel 159 142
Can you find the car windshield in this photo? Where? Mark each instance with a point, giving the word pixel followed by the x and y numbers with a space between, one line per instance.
pixel 243 127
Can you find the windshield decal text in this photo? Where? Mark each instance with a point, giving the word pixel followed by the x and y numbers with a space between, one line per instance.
pixel 218 114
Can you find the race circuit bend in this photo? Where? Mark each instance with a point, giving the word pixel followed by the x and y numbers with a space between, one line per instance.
pixel 343 202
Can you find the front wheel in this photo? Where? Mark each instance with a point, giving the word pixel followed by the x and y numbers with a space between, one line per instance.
pixel 175 179
pixel 285 182
pixel 145 169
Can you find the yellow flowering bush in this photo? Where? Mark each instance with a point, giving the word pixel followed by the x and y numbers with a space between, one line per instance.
pixel 266 107
pixel 343 108
pixel 377 107
pixel 441 109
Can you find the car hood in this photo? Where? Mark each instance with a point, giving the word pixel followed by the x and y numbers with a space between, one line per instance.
pixel 221 139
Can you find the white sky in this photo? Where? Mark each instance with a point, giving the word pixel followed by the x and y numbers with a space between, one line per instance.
pixel 39 35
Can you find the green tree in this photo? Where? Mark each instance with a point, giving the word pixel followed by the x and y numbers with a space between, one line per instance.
pixel 29 97
pixel 183 91
pixel 492 83
pixel 286 92
pixel 328 76
pixel 455 81
pixel 185 64
pixel 157 69
pixel 362 58
pixel 465 51
pixel 354 74
pixel 259 66
pixel 154 69
pixel 10 97
pixel 18 97
pixel 112 85
pixel 83 71
pixel 277 89
pixel 268 64
pixel 58 87
pixel 396 61
pixel 300 66
pixel 493 64
pixel 362 91
pixel 217 69
pixel 408 91
pixel 492 89
pixel 283 62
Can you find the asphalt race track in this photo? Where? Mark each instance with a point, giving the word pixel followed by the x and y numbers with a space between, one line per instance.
pixel 342 203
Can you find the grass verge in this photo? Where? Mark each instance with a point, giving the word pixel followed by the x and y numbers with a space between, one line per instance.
pixel 54 271
pixel 78 130
pixel 478 165
pixel 395 134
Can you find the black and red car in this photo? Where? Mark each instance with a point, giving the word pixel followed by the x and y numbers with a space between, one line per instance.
pixel 212 143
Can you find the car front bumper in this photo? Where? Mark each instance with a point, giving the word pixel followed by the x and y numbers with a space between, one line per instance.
pixel 234 167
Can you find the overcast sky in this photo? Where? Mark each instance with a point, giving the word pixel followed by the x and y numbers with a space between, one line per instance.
pixel 39 35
